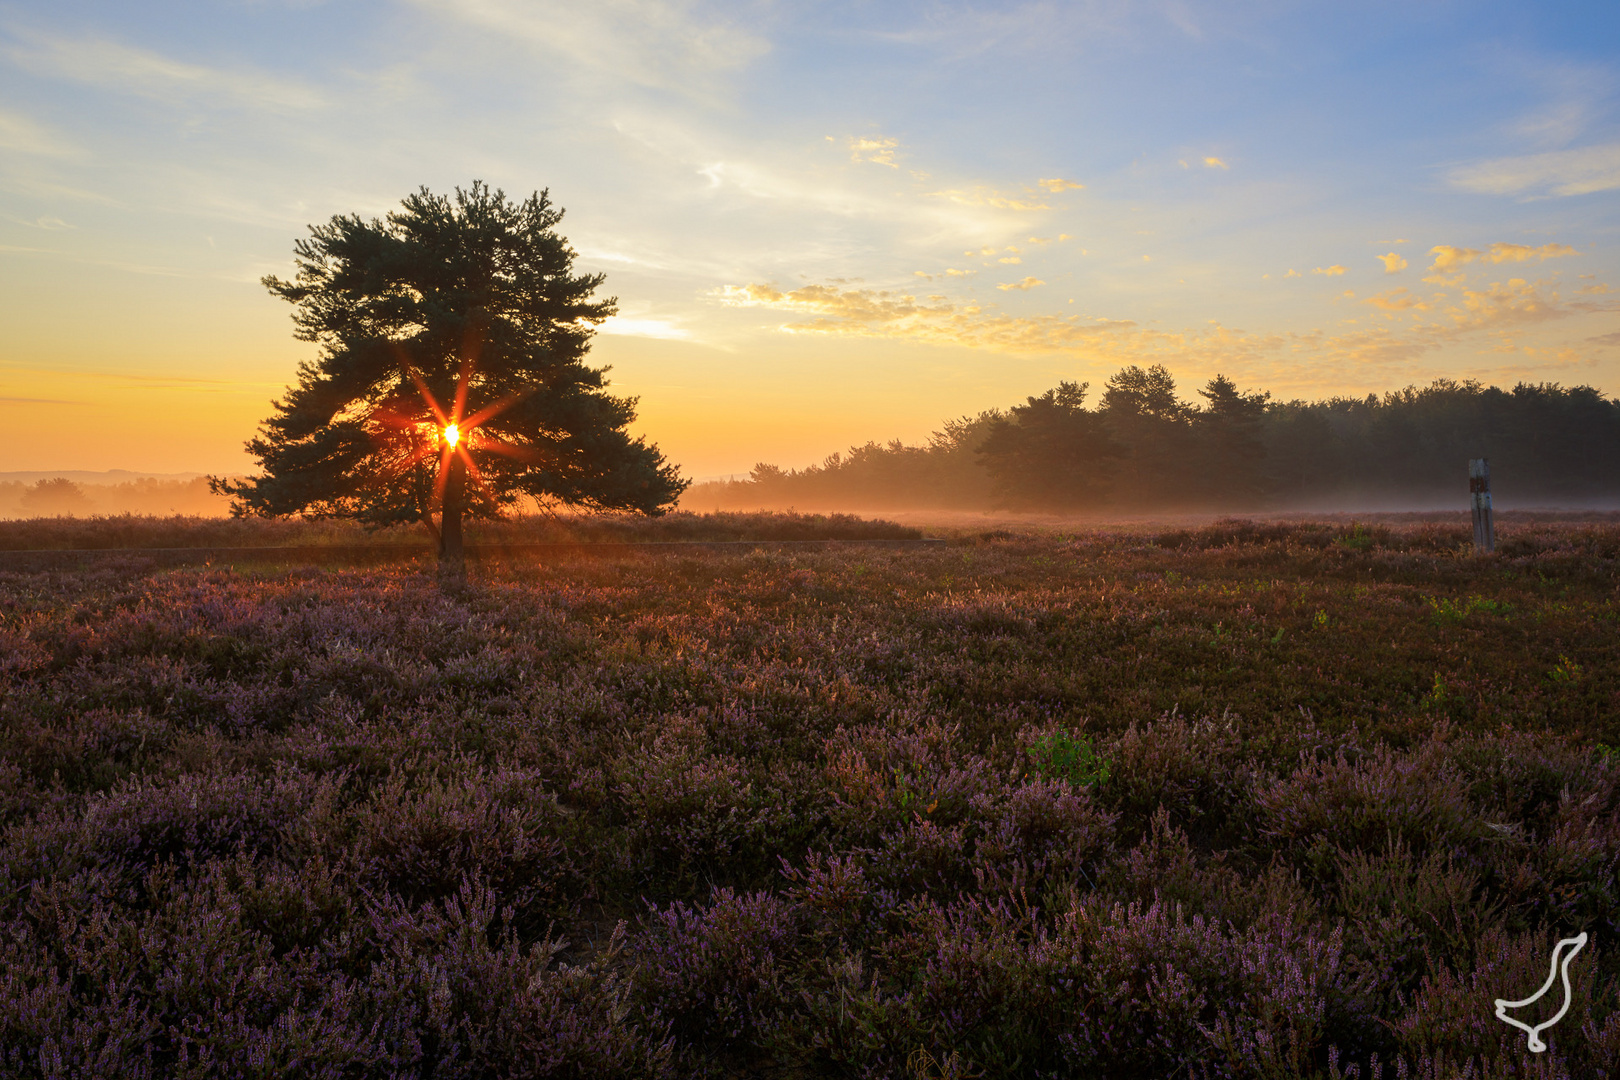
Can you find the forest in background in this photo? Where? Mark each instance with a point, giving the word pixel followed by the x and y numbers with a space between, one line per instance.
pixel 1141 447
pixel 58 496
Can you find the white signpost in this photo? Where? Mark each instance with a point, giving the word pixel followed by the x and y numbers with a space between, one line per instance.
pixel 1479 490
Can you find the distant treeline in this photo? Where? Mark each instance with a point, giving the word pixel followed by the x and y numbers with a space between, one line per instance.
pixel 1140 446
pixel 61 497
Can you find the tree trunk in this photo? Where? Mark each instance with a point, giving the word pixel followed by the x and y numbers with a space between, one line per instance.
pixel 452 556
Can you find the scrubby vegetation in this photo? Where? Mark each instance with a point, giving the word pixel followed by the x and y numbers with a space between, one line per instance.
pixel 130 531
pixel 1257 799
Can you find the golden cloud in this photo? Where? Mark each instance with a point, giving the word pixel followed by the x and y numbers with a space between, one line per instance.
pixel 879 151
pixel 1331 271
pixel 1010 259
pixel 1448 259
pixel 1500 309
pixel 983 196
pixel 1393 263
pixel 1398 299
pixel 1501 253
pixel 1215 163
pixel 1515 301
pixel 1057 187
pixel 853 306
pixel 869 313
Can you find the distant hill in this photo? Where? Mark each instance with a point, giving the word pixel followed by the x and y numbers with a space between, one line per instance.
pixel 81 476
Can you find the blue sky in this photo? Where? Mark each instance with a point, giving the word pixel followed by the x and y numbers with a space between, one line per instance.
pixel 824 223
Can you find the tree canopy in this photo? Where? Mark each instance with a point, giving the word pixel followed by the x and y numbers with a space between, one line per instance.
pixel 451 376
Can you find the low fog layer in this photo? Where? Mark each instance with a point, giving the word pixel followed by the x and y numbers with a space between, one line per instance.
pixel 70 495
pixel 1140 449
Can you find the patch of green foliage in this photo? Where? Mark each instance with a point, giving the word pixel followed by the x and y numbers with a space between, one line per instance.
pixel 1359 538
pixel 1453 611
pixel 1062 756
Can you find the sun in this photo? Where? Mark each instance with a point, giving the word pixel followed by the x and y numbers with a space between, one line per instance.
pixel 454 426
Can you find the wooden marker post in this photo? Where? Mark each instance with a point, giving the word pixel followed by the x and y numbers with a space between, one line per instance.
pixel 1479 492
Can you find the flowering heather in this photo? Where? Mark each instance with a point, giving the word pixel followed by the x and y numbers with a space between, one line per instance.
pixel 1230 801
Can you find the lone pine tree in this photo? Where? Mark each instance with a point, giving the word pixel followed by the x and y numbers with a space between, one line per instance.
pixel 451 377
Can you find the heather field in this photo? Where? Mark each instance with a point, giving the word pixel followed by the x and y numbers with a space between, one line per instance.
pixel 1242 799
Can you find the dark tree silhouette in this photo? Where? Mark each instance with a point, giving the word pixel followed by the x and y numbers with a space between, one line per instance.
pixel 1049 452
pixel 1142 447
pixel 1154 427
pixel 451 377
pixel 1231 450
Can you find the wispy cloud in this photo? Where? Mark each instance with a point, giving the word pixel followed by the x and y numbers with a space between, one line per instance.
pixel 104 62
pixel 1023 286
pixel 661 329
pixel 661 44
pixel 1559 173
pixel 21 135
pixel 1420 326
pixel 986 196
pixel 852 306
pixel 1330 271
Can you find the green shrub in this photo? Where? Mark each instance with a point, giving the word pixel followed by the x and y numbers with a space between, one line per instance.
pixel 1062 756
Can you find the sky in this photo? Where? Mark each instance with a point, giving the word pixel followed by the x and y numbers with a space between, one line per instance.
pixel 825 223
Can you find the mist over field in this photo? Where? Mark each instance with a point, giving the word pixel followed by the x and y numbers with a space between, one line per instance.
pixel 1134 448
pixel 87 494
